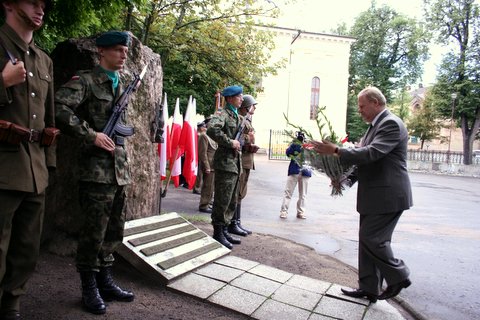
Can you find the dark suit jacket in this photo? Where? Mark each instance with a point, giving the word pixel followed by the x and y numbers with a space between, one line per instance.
pixel 383 182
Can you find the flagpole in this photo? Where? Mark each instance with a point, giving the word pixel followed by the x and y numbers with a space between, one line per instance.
pixel 164 193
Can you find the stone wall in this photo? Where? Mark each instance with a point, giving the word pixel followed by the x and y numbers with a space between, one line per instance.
pixel 63 215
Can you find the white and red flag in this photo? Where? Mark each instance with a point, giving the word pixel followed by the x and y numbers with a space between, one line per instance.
pixel 188 143
pixel 175 147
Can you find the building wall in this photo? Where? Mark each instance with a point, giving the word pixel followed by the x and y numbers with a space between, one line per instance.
pixel 288 92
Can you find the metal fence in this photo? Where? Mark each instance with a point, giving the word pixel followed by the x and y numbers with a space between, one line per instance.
pixel 279 142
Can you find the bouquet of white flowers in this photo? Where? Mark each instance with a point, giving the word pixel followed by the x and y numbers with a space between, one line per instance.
pixel 330 165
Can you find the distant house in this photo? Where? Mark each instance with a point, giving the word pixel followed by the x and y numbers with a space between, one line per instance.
pixel 316 75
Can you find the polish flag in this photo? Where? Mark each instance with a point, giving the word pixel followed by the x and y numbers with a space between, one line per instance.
pixel 163 148
pixel 188 142
pixel 175 148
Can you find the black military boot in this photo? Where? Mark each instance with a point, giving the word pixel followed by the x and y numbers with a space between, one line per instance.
pixel 91 299
pixel 220 237
pixel 233 227
pixel 239 224
pixel 229 237
pixel 109 290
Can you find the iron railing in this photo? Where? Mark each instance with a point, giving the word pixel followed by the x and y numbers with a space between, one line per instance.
pixel 279 142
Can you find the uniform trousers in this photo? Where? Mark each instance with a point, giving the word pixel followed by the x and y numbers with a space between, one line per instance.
pixel 102 230
pixel 243 184
pixel 292 182
pixel 206 193
pixel 375 256
pixel 225 200
pixel 21 221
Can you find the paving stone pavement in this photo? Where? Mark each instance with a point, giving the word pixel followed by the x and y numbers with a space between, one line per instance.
pixel 265 293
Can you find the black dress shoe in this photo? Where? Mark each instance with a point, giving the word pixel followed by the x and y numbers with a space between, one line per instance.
pixel 394 289
pixel 207 210
pixel 359 293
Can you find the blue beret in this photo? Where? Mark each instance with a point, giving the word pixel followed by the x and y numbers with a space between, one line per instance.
pixel 112 38
pixel 232 91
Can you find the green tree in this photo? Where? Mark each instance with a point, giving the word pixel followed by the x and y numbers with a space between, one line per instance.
pixel 389 51
pixel 457 23
pixel 81 18
pixel 424 123
pixel 206 45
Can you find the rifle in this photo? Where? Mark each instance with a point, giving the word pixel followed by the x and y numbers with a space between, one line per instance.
pixel 156 128
pixel 239 137
pixel 114 129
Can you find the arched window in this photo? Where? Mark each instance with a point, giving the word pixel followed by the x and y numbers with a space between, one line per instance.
pixel 314 97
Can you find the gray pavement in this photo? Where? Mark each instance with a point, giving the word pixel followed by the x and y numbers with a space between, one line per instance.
pixel 265 293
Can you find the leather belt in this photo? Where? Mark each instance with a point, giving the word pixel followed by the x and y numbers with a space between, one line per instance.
pixel 34 136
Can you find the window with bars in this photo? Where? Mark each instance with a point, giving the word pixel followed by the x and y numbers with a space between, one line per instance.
pixel 314 97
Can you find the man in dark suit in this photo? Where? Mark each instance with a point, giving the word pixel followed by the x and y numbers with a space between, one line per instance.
pixel 384 192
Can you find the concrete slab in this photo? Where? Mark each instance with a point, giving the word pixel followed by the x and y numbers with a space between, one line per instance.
pixel 297 297
pixel 272 309
pixel 256 284
pixel 167 246
pixel 271 273
pixel 340 309
pixel 316 316
pixel 382 310
pixel 196 285
pixel 236 262
pixel 219 272
pixel 309 284
pixel 237 299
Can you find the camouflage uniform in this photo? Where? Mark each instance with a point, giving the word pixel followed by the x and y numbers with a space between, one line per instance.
pixel 227 165
pixel 83 107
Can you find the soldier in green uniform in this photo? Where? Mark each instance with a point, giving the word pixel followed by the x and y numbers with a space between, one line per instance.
pixel 26 109
pixel 247 109
pixel 83 107
pixel 223 129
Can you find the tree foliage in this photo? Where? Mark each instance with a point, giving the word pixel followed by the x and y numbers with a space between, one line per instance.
pixel 457 23
pixel 204 44
pixel 389 52
pixel 425 123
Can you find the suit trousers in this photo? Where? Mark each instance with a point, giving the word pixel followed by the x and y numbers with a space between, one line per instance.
pixel 292 182
pixel 21 221
pixel 375 256
pixel 225 199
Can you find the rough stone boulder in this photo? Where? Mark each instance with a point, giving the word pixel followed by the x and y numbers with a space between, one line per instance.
pixel 63 215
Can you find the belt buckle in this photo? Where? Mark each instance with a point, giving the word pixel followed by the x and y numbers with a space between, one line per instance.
pixel 30 136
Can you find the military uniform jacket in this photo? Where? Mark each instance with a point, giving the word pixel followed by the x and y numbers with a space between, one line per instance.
pixel 247 157
pixel 222 129
pixel 83 106
pixel 206 151
pixel 30 105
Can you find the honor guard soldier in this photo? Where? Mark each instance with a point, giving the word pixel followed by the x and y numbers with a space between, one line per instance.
pixel 27 121
pixel 83 106
pixel 223 129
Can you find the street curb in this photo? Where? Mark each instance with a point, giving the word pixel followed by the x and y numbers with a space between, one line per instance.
pixel 408 308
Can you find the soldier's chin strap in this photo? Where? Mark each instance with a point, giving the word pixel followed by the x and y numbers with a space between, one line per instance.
pixel 27 19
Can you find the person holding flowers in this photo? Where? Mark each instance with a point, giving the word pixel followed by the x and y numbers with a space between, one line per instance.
pixel 297 174
pixel 384 192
